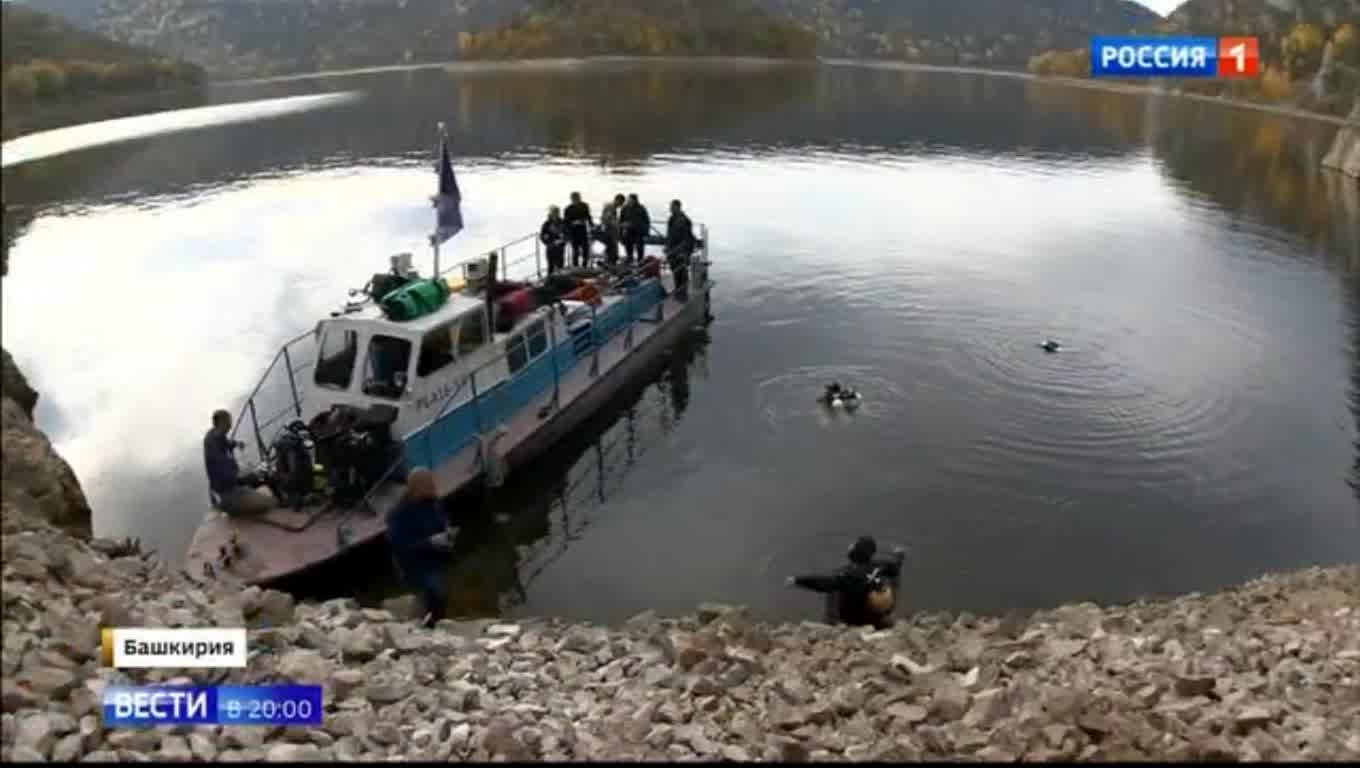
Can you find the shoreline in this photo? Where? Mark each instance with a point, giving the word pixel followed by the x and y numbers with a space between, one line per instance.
pixel 1096 85
pixel 758 62
pixel 1264 670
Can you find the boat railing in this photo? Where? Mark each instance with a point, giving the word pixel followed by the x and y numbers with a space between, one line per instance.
pixel 276 397
pixel 489 407
pixel 491 417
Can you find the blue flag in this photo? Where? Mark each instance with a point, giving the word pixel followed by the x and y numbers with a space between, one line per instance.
pixel 449 202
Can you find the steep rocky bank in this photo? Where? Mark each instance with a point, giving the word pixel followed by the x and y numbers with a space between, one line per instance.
pixel 1270 670
pixel 1344 155
pixel 35 475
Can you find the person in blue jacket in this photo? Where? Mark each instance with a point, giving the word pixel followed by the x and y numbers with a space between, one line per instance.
pixel 418 531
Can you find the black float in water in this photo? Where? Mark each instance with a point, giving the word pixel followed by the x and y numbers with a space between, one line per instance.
pixel 1050 346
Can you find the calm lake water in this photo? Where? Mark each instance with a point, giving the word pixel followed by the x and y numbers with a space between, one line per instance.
pixel 913 234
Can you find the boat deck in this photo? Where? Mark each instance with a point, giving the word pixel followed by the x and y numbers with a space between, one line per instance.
pixel 271 551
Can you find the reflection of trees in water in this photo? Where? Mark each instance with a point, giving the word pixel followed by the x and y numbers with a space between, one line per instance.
pixel 509 536
pixel 627 113
pixel 1262 165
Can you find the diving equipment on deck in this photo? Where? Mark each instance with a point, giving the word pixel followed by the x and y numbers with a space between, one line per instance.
pixel 415 299
pixel 356 447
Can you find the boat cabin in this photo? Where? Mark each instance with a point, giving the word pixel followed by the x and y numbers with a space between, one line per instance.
pixel 420 366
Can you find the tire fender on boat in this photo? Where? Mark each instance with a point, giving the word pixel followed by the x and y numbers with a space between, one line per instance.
pixel 493 460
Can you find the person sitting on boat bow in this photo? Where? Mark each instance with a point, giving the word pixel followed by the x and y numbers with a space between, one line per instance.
pixel 862 590
pixel 680 244
pixel 235 492
pixel 417 530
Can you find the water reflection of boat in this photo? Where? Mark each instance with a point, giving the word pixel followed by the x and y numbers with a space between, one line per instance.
pixel 470 376
pixel 510 536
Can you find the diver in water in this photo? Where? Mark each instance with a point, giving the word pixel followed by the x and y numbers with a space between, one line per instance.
pixel 863 591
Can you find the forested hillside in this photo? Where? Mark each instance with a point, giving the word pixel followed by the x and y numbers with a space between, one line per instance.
pixel 253 38
pixel 986 33
pixel 47 60
pixel 1310 50
pixel 555 28
pixel 235 38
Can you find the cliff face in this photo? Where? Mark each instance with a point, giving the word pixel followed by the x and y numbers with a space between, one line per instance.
pixel 36 479
pixel 1345 153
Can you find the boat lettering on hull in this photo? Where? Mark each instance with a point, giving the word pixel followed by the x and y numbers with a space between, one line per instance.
pixel 437 397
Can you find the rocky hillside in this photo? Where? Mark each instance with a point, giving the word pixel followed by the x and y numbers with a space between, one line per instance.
pixel 47 60
pixel 261 37
pixel 248 38
pixel 985 33
pixel 561 28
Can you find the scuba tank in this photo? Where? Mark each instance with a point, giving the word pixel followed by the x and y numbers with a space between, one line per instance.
pixel 881 597
pixel 293 466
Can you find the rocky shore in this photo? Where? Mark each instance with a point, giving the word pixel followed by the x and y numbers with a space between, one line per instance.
pixel 1270 670
pixel 1267 671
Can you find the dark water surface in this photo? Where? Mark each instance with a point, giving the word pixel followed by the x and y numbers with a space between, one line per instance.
pixel 914 234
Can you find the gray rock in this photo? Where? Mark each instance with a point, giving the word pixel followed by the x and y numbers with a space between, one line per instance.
pixel 345 681
pixel 15 697
pixel 98 756
pixel 949 701
pixel 68 749
pixel 175 749
pixel 304 667
pixel 359 644
pixel 1195 685
pixel 49 682
pixel 37 731
pixel 295 753
pixel 202 747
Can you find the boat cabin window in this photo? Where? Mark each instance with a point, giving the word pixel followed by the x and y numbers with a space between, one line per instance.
pixel 526 346
pixel 389 358
pixel 471 331
pixel 336 357
pixel 436 349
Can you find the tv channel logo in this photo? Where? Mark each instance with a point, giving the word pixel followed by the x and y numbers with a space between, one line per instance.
pixel 1197 57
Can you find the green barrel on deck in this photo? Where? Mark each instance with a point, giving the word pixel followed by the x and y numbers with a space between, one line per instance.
pixel 415 299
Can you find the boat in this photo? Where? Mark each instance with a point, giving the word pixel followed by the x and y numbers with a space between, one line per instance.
pixel 471 371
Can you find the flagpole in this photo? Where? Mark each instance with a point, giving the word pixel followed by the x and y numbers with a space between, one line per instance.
pixel 434 239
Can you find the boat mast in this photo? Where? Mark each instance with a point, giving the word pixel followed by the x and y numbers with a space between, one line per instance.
pixel 434 239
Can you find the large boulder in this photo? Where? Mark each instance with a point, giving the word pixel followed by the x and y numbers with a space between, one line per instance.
pixel 1344 155
pixel 36 478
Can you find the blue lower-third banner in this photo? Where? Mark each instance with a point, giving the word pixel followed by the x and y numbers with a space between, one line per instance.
pixel 141 706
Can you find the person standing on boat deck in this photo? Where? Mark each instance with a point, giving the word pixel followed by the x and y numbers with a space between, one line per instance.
pixel 680 245
pixel 609 231
pixel 236 493
pixel 553 235
pixel 634 225
pixel 861 591
pixel 579 221
pixel 417 529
